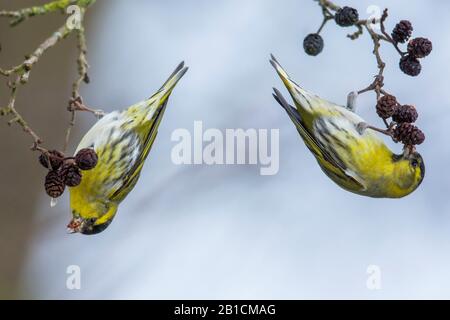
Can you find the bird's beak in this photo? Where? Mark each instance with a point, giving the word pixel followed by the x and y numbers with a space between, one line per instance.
pixel 74 225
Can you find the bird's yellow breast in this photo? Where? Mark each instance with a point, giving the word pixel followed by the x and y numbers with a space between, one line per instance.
pixel 370 166
pixel 382 173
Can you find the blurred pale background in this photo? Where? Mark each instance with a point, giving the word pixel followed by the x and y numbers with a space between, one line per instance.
pixel 225 231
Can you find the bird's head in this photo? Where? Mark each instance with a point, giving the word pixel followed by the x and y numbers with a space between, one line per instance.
pixel 410 169
pixel 89 224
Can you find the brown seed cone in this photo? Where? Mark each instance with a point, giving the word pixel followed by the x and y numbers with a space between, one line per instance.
pixel 346 16
pixel 70 174
pixel 54 185
pixel 386 106
pixel 86 159
pixel 313 44
pixel 410 65
pixel 55 157
pixel 420 47
pixel 405 113
pixel 402 31
pixel 408 134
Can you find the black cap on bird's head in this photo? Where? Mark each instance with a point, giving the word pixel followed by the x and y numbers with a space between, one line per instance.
pixel 87 226
pixel 92 221
pixel 415 161
pixel 415 157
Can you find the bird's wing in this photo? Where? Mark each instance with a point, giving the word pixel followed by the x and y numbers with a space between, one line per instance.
pixel 132 175
pixel 328 160
pixel 123 141
pixel 146 117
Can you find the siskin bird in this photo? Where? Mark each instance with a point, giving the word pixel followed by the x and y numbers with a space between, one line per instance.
pixel 348 152
pixel 122 141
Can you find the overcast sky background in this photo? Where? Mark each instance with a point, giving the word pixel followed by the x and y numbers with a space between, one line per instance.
pixel 211 232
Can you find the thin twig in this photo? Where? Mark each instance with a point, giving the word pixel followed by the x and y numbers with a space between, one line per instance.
pixel 328 5
pixel 17 118
pixel 366 24
pixel 327 16
pixel 82 71
pixel 25 67
pixel 21 15
pixel 23 70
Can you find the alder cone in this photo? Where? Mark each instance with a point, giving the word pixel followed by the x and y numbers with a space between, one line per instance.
pixel 409 134
pixel 54 156
pixel 402 31
pixel 70 174
pixel 405 113
pixel 386 106
pixel 54 184
pixel 86 159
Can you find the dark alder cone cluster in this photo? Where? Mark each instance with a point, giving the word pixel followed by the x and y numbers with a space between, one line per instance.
pixel 66 171
pixel 401 127
pixel 345 17
pixel 417 48
pixel 403 116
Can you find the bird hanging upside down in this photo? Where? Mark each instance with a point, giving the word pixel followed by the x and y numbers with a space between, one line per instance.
pixel 346 149
pixel 122 141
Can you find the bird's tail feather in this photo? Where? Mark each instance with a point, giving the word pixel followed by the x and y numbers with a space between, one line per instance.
pixel 166 89
pixel 153 107
pixel 297 120
pixel 303 99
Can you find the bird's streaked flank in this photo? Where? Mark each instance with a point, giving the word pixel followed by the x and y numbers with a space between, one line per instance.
pixel 122 141
pixel 353 157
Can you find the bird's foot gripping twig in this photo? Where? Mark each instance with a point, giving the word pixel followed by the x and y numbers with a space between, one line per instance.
pixel 363 126
pixel 76 104
pixel 351 101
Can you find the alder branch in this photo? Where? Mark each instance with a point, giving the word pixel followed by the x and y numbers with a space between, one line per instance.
pixel 21 15
pixel 401 127
pixel 367 24
pixel 21 73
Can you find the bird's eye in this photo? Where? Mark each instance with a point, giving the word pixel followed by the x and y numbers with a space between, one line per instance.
pixel 414 163
pixel 92 220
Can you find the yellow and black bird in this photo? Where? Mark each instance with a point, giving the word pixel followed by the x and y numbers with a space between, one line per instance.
pixel 353 157
pixel 122 141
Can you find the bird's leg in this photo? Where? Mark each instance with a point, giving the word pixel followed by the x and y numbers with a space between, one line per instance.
pixel 78 105
pixel 409 150
pixel 351 101
pixel 362 126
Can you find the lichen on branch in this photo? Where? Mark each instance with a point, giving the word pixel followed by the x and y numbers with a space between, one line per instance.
pixel 60 5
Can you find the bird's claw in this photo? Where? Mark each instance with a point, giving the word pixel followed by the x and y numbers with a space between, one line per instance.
pixel 78 105
pixel 99 113
pixel 361 127
pixel 351 101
